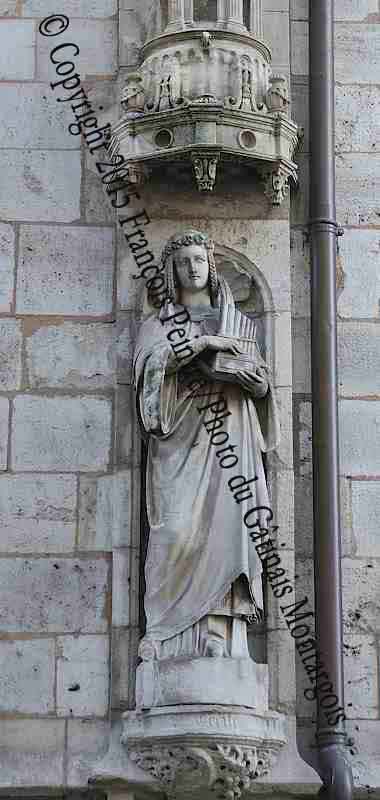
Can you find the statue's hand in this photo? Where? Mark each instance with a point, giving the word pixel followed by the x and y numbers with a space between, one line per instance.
pixel 255 383
pixel 219 343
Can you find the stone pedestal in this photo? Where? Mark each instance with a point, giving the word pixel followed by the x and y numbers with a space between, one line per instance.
pixel 227 681
pixel 204 751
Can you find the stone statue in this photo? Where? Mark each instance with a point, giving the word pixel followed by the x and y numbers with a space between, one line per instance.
pixel 207 426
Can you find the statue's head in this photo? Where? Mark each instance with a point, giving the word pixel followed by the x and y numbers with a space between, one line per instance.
pixel 189 262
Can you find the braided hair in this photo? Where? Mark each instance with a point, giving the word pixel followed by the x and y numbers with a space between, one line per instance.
pixel 168 261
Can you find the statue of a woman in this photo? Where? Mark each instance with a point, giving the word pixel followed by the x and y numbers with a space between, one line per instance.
pixel 203 576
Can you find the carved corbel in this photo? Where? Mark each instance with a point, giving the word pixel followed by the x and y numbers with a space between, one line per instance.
pixel 205 165
pixel 276 184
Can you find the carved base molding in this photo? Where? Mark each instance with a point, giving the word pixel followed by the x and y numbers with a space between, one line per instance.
pixel 215 752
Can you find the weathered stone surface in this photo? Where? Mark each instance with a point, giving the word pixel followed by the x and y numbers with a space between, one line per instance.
pixel 7 266
pixel 113 510
pixel 301 355
pixel 357 120
pixel 300 272
pixel 61 433
pixel 365 518
pixel 282 679
pixel 361 679
pixel 356 53
pixel 27 676
pixel 275 28
pixel 46 595
pixel 360 10
pixel 358 189
pixel 124 662
pixel 72 355
pixel 299 9
pixel 121 582
pixel 359 358
pixel 17 36
pixel 303 517
pixel 300 204
pixel 97 42
pixel 4 424
pixel 10 354
pixel 360 254
pixel 305 438
pixel 87 742
pixel 27 191
pixel 299 47
pixel 82 676
pixel 87 532
pixel 32 753
pixel 361 603
pixel 37 513
pixel 366 753
pixel 73 8
pixel 359 437
pixel 32 118
pixel 300 108
pixel 65 270
pixel 8 8
pixel 282 356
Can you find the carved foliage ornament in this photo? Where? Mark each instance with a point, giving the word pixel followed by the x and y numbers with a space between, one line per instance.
pixel 225 769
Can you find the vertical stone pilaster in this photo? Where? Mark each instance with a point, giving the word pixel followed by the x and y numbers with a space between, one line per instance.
pixel 256 23
pixel 235 13
pixel 189 11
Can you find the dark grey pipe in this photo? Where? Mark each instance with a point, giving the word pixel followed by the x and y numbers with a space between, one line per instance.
pixel 333 768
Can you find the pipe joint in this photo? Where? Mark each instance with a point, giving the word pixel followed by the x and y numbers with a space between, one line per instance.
pixel 336 773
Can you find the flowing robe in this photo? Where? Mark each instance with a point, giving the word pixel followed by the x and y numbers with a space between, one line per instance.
pixel 198 544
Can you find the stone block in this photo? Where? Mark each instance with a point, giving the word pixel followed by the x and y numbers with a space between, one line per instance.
pixel 4 428
pixel 284 451
pixel 304 455
pixel 82 676
pixel 360 254
pixel 276 34
pixel 37 513
pixel 114 510
pixel 356 10
pixel 303 505
pixel 97 42
pixel 61 433
pixel 17 36
pixel 10 354
pixel 65 270
pixel 358 189
pixel 87 742
pixel 361 602
pixel 128 438
pixel 300 194
pixel 32 753
pixel 275 620
pixel 281 485
pixel 121 586
pixel 359 437
pixel 365 518
pixel 87 533
pixel 7 267
pixel 281 358
pixel 28 192
pixel 300 272
pixel 356 53
pixel 282 679
pixel 357 120
pixel 301 343
pixel 124 663
pixel 300 108
pixel 72 355
pixel 299 38
pixel 359 358
pixel 32 118
pixel 365 753
pixel 360 677
pixel 8 8
pixel 299 9
pixel 54 595
pixel 73 8
pixel 27 676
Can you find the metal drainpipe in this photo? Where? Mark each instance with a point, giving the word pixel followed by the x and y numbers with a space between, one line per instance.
pixel 334 769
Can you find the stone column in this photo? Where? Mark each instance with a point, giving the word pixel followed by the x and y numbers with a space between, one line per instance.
pixel 175 14
pixel 235 14
pixel 256 18
pixel 189 11
pixel 221 12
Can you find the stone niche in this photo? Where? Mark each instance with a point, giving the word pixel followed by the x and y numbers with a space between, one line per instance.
pixel 204 94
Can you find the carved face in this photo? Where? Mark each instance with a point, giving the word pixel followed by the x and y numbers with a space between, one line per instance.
pixel 192 267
